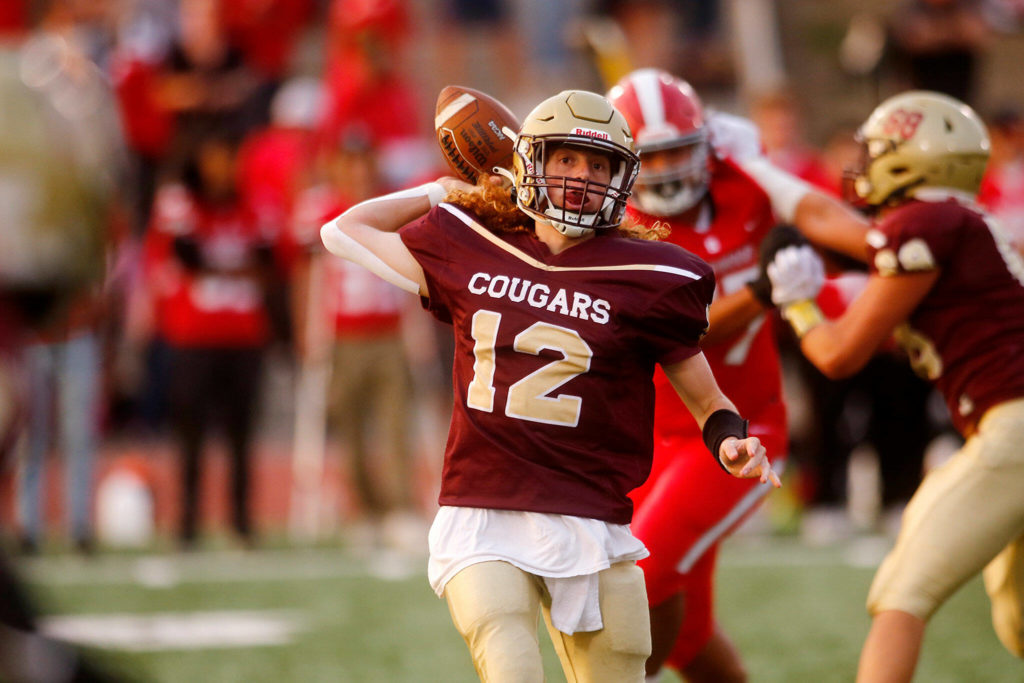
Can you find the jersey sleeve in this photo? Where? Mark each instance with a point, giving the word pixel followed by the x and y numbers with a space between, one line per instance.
pixel 676 323
pixel 920 237
pixel 430 245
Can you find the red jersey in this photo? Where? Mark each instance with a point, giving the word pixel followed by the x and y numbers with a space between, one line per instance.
pixel 967 334
pixel 221 305
pixel 1002 194
pixel 266 31
pixel 554 357
pixel 747 365
pixel 270 165
pixel 357 302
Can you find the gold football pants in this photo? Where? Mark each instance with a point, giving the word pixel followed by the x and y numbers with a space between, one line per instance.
pixel 496 607
pixel 967 516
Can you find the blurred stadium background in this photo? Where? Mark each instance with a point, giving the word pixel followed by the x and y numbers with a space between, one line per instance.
pixel 323 590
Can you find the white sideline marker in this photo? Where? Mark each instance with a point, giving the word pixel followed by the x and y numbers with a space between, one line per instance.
pixel 177 630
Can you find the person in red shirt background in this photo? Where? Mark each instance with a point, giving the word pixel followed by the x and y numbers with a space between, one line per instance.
pixel 13 17
pixel 779 120
pixel 1002 188
pixel 369 396
pixel 266 31
pixel 210 262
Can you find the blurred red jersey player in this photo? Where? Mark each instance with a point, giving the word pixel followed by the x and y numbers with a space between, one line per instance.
pixel 713 209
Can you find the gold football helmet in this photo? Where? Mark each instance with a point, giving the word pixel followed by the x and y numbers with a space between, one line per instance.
pixel 920 139
pixel 580 119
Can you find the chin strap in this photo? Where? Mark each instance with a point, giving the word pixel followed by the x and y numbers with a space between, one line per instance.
pixel 504 173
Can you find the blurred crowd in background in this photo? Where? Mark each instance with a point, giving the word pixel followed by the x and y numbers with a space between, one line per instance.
pixel 221 330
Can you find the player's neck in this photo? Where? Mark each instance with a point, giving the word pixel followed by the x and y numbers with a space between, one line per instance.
pixel 556 241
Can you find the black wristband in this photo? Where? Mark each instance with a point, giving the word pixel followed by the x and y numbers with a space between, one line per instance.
pixel 719 426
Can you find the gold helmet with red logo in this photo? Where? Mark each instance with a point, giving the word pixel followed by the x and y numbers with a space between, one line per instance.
pixel 582 119
pixel 920 139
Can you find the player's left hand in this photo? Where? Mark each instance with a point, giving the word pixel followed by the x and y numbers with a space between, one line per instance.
pixel 747 458
pixel 797 273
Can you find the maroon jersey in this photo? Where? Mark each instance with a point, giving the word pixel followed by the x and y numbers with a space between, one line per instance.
pixel 967 334
pixel 746 366
pixel 554 355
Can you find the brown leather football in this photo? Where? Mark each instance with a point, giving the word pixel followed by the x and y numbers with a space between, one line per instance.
pixel 471 130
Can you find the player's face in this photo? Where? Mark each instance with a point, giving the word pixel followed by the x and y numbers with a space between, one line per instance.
pixel 665 160
pixel 672 180
pixel 579 166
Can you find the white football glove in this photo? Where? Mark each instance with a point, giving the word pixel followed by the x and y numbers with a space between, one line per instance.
pixel 797 274
pixel 733 137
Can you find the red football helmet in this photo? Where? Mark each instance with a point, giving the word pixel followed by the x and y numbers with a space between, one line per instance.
pixel 668 124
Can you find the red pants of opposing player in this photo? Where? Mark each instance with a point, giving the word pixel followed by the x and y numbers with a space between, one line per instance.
pixel 684 510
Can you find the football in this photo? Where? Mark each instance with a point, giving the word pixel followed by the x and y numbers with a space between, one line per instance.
pixel 470 128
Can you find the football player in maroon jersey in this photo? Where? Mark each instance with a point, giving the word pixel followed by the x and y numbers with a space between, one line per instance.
pixel 559 320
pixel 690 181
pixel 950 288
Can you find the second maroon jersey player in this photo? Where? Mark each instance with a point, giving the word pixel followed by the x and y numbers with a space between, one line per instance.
pixel 950 288
pixel 953 336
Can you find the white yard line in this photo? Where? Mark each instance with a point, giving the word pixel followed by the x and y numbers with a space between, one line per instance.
pixel 176 630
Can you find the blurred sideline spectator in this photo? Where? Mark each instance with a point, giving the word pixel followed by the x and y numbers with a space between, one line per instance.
pixel 205 82
pixel 266 32
pixel 13 18
pixel 369 86
pixel 1002 189
pixel 780 120
pixel 58 159
pixel 63 360
pixel 209 265
pixel 938 45
pixel 274 161
pixel 64 367
pixel 369 399
pixel 680 36
pixel 480 45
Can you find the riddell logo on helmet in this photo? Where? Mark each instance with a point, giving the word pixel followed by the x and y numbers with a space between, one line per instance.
pixel 590 133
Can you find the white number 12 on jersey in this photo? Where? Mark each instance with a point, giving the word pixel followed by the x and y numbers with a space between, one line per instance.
pixel 528 399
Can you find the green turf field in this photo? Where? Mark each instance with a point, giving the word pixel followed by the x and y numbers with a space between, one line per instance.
pixel 331 615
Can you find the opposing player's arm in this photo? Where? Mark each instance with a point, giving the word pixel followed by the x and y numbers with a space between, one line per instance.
pixel 842 347
pixel 829 223
pixel 730 314
pixel 825 221
pixel 741 455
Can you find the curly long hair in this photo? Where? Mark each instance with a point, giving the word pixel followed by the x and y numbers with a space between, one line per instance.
pixel 496 208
